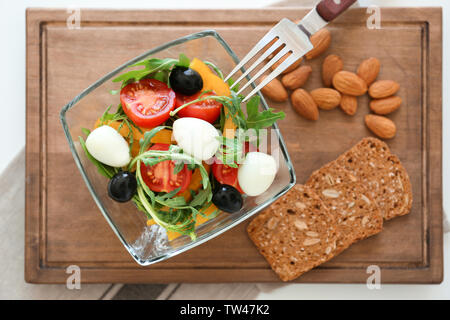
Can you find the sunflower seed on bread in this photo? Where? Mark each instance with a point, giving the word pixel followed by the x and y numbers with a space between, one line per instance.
pixel 357 215
pixel 382 173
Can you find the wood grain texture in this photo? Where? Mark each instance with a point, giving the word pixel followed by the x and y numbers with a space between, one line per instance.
pixel 64 226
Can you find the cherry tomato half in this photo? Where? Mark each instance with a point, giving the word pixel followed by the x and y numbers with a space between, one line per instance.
pixel 208 110
pixel 160 177
pixel 147 102
pixel 226 175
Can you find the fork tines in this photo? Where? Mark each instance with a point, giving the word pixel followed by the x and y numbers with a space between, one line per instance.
pixel 285 35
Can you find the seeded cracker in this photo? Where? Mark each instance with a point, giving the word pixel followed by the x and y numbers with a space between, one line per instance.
pixel 296 233
pixel 382 173
pixel 357 215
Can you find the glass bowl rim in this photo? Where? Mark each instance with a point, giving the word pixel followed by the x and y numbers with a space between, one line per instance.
pixel 212 234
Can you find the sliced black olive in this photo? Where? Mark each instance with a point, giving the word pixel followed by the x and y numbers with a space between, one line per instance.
pixel 227 198
pixel 122 186
pixel 185 81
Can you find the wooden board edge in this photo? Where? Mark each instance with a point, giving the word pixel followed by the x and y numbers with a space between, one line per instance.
pixel 32 149
pixel 96 275
pixel 260 15
pixel 436 261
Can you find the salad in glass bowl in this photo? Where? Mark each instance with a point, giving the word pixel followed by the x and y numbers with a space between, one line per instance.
pixel 180 144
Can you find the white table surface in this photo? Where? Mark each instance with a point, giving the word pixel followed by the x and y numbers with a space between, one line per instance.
pixel 12 130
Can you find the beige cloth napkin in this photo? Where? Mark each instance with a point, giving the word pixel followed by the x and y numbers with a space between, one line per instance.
pixel 12 237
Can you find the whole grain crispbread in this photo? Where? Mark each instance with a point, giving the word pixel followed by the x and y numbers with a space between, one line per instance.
pixel 296 233
pixel 382 173
pixel 399 186
pixel 357 215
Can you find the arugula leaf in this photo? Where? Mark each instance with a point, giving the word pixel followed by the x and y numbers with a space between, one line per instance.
pixel 174 202
pixel 106 116
pixel 258 120
pixel 162 76
pixel 233 104
pixel 230 82
pixel 153 161
pixel 168 195
pixel 222 119
pixel 201 197
pixel 134 75
pixel 212 215
pixel 143 185
pixel 178 167
pixel 183 61
pixel 85 131
pixel 252 106
pixel 150 66
pixel 215 68
pixel 175 148
pixel 148 137
pixel 230 151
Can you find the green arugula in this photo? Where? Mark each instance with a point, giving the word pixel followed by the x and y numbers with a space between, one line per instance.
pixel 231 151
pixel 168 210
pixel 120 116
pixel 230 82
pixel 261 119
pixel 215 68
pixel 183 61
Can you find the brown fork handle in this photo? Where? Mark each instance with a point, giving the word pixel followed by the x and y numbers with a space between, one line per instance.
pixel 330 9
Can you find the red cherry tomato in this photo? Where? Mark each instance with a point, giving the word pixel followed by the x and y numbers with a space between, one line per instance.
pixel 147 102
pixel 160 177
pixel 226 175
pixel 208 110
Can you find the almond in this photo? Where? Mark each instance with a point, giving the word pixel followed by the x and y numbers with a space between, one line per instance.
pixel 321 41
pixel 383 88
pixel 297 78
pixel 349 104
pixel 330 66
pixel 326 98
pixel 349 83
pixel 274 90
pixel 368 70
pixel 381 126
pixel 385 105
pixel 291 68
pixel 304 104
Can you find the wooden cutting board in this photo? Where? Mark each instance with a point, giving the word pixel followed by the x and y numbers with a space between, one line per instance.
pixel 64 226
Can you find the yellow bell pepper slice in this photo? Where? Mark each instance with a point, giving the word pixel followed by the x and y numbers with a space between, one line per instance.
pixel 163 136
pixel 214 83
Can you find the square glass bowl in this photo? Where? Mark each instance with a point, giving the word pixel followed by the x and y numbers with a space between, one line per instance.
pixel 149 244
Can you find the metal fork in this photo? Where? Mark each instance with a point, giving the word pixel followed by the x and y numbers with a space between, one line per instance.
pixel 294 40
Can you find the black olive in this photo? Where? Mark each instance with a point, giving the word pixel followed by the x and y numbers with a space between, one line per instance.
pixel 122 186
pixel 227 198
pixel 185 81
